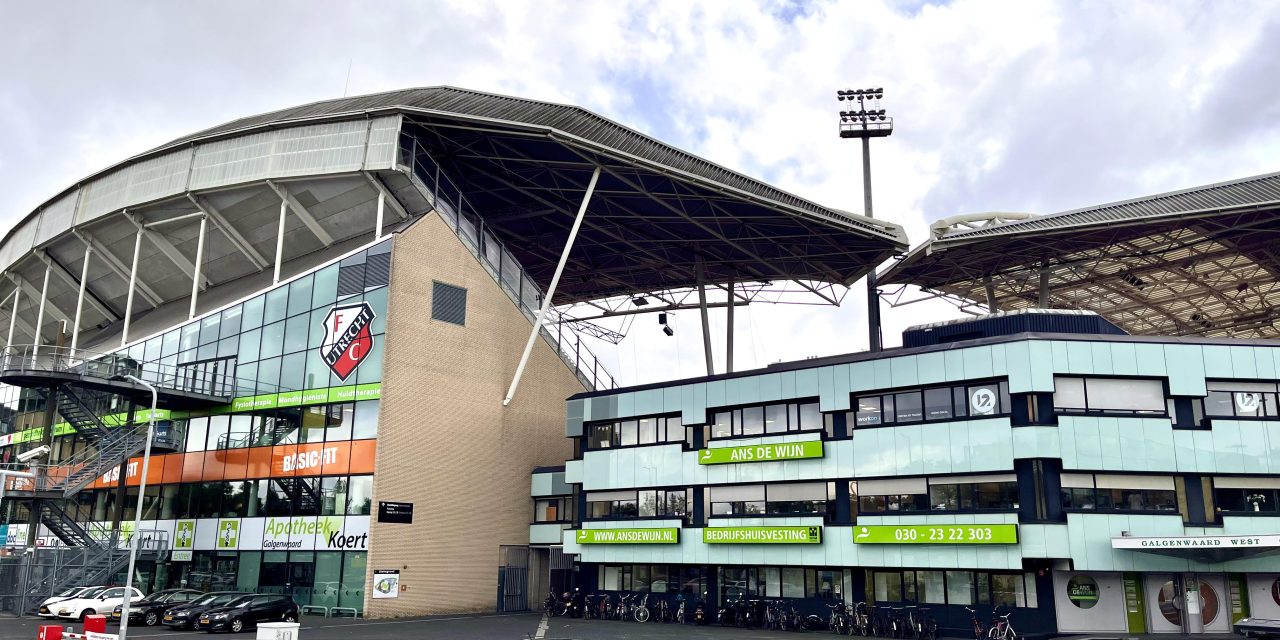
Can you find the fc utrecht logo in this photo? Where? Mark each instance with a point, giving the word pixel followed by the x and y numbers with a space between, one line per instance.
pixel 347 340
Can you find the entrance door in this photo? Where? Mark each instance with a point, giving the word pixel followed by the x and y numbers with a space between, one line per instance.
pixel 1167 607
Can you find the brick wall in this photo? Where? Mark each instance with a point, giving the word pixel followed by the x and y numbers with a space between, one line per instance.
pixel 445 442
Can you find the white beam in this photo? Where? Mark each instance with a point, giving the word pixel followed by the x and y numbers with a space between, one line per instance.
pixel 30 290
pixel 195 281
pixel 233 235
pixel 84 278
pixel 551 289
pixel 386 193
pixel 76 283
pixel 133 281
pixel 284 209
pixel 113 263
pixel 302 213
pixel 44 298
pixel 171 252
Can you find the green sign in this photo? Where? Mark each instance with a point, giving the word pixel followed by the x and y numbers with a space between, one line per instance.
pixel 762 535
pixel 762 452
pixel 669 535
pixel 228 534
pixel 936 534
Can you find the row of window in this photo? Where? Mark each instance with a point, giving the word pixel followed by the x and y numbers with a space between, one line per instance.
pixel 632 432
pixel 1118 492
pixel 324 578
pixel 651 503
pixel 276 497
pixel 962 588
pixel 297 425
pixel 799 498
pixel 767 419
pixel 778 582
pixel 937 403
pixel 893 496
pixel 652 578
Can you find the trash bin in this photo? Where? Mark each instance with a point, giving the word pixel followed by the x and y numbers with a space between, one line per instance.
pixel 277 631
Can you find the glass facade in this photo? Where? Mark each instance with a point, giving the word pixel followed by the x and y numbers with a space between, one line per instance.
pixel 273 492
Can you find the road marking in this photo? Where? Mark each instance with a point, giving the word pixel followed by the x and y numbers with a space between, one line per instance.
pixel 542 629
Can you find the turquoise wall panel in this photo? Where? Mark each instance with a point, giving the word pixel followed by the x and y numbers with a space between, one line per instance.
pixel 931 368
pixel 1041 366
pixel 977 362
pixel 1080 357
pixel 1150 359
pixel 1186 366
pixel 862 376
pixel 1243 364
pixel 1017 357
pixel 1217 361
pixel 840 386
pixel 1036 442
pixel 902 372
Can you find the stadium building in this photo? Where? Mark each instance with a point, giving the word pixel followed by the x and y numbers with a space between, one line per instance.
pixel 1094 453
pixel 345 312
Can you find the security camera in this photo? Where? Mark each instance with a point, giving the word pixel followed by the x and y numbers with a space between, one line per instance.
pixel 28 456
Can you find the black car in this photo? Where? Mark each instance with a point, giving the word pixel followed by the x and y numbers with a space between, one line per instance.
pixel 149 610
pixel 185 616
pixel 246 612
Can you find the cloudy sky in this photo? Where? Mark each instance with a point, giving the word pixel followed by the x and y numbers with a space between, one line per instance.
pixel 999 106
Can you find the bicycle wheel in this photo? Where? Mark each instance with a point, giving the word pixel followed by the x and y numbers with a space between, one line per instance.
pixel 642 614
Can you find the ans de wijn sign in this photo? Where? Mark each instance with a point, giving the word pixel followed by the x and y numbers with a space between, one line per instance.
pixel 663 535
pixel 762 452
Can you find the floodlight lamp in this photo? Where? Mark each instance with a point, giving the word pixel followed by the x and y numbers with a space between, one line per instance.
pixel 640 301
pixel 662 319
pixel 668 330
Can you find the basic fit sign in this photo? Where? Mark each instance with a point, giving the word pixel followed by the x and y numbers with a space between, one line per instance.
pixel 348 338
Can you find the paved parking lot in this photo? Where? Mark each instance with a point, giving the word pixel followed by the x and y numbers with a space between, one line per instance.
pixel 572 629
pixel 498 627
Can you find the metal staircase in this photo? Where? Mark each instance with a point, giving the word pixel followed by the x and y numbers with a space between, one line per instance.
pixel 75 410
pixel 81 387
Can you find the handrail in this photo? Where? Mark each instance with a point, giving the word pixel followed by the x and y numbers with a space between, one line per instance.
pixel 462 218
pixel 114 366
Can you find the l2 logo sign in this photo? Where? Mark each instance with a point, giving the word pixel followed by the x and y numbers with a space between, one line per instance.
pixel 347 338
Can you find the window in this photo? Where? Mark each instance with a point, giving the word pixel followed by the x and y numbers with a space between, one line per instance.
pixel 960 588
pixel 552 510
pixel 1246 495
pixel 360 496
pixel 974 493
pixel 772 582
pixel 779 499
pixel 932 404
pixel 639 431
pixel 1227 399
pixel 691 581
pixel 643 503
pixel 1111 492
pixel 448 303
pixel 892 495
pixel 1109 395
pixel 767 419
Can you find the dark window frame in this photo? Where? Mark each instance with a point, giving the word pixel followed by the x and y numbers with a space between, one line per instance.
pixel 878 399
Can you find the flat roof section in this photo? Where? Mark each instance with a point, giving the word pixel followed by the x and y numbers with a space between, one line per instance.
pixel 1200 261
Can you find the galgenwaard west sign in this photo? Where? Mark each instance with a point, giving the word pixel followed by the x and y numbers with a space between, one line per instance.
pixel 1197 542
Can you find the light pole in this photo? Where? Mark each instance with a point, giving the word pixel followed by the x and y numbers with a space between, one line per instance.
pixel 867 121
pixel 137 512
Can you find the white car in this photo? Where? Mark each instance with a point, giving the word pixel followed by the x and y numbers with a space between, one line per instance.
pixel 101 602
pixel 47 610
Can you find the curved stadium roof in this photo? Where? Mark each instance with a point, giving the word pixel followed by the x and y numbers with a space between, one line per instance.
pixel 1200 261
pixel 509 172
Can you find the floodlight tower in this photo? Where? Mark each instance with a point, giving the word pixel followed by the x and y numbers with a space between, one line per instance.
pixel 866 120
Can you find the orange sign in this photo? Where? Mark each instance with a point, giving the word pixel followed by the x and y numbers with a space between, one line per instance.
pixel 281 461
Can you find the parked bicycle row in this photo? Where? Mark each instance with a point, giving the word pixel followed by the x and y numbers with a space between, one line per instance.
pixel 863 619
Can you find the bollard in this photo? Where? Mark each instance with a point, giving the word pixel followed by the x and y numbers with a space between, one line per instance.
pixel 50 632
pixel 95 624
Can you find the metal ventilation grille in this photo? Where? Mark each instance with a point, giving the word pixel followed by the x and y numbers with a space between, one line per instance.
pixel 448 303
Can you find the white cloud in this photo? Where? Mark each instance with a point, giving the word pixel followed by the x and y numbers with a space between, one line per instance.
pixel 1010 106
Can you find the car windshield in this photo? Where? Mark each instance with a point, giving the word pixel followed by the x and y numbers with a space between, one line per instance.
pixel 226 599
pixel 70 592
pixel 240 602
pixel 158 596
pixel 93 593
pixel 210 598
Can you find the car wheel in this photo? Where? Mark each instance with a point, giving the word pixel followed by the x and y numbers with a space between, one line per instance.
pixel 237 625
pixel 151 619
pixel 86 613
pixel 289 617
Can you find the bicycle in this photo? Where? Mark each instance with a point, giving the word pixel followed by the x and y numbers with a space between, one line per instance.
pixel 979 629
pixel 662 611
pixel 641 611
pixel 926 626
pixel 680 609
pixel 861 620
pixel 1001 628
pixel 836 623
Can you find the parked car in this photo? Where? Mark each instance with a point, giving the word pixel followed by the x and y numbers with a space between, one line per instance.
pixel 150 609
pixel 246 612
pixel 46 608
pixel 96 602
pixel 184 616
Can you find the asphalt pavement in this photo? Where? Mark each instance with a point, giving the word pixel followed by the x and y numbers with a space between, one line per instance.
pixel 484 627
